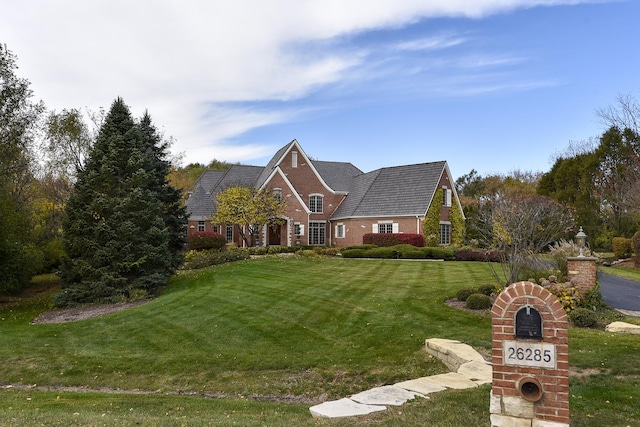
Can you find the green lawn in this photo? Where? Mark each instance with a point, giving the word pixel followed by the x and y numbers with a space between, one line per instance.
pixel 257 342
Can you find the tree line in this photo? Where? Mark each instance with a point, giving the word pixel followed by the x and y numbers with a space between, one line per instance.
pixel 594 184
pixel 101 201
pixel 94 204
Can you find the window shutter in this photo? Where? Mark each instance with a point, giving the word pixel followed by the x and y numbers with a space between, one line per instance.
pixel 395 227
pixel 374 228
pixel 448 197
pixel 301 229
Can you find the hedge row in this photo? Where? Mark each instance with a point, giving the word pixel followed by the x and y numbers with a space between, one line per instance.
pixel 393 239
pixel 399 252
pixel 201 259
pixel 412 252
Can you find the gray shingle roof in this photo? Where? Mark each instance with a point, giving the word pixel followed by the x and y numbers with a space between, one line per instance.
pixel 272 164
pixel 201 204
pixel 393 191
pixel 337 175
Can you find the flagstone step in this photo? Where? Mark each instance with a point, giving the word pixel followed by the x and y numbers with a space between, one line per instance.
pixel 470 370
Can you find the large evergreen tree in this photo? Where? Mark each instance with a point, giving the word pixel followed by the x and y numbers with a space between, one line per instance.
pixel 175 213
pixel 121 224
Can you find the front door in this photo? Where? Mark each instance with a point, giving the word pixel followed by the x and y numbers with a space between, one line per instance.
pixel 275 232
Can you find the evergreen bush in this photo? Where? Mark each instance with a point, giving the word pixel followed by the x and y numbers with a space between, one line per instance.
pixel 465 293
pixel 583 317
pixel 487 289
pixel 478 302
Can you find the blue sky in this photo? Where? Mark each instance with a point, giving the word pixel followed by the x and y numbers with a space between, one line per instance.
pixel 491 85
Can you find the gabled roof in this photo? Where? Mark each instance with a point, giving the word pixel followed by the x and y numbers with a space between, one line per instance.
pixel 337 175
pixel 388 192
pixel 393 191
pixel 201 204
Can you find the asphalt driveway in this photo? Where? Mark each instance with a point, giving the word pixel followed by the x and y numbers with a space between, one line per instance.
pixel 623 294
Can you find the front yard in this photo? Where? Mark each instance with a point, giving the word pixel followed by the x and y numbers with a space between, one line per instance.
pixel 257 342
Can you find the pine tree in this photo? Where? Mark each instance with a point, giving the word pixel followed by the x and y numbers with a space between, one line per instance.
pixel 119 232
pixel 175 213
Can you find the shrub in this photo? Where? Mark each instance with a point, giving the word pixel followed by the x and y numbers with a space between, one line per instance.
pixel 569 296
pixel 392 239
pixel 478 302
pixel 364 247
pixel 583 317
pixel 397 252
pixel 354 253
pixel 205 240
pixel 622 247
pixel 464 293
pixel 201 259
pixel 591 299
pixel 487 289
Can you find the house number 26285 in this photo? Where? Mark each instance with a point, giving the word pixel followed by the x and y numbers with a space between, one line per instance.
pixel 522 353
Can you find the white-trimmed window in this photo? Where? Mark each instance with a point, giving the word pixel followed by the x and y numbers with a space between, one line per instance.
pixel 445 233
pixel 201 225
pixel 340 231
pixel 229 233
pixel 294 159
pixel 385 227
pixel 216 229
pixel 446 196
pixel 298 229
pixel 317 232
pixel 315 203
pixel 277 193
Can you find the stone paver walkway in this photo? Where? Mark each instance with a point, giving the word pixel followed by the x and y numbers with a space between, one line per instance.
pixel 469 370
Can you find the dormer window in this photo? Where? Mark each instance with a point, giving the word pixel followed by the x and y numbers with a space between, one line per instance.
pixel 315 203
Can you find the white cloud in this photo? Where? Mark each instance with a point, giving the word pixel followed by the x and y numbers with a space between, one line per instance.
pixel 432 43
pixel 185 61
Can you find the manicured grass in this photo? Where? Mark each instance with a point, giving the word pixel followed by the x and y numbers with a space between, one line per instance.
pixel 270 337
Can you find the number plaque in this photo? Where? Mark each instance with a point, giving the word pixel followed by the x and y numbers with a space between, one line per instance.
pixel 527 353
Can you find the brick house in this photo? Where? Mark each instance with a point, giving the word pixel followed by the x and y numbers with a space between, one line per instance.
pixel 335 203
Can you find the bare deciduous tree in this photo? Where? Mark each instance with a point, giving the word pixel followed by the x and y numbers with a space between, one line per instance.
pixel 626 114
pixel 520 226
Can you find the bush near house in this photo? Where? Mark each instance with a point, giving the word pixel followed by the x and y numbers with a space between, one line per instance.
pixel 205 240
pixel 392 239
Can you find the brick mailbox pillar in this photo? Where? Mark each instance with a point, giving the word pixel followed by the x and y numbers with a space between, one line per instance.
pixel 530 358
